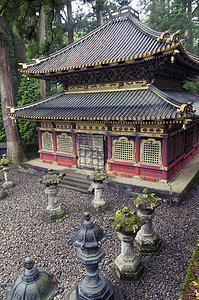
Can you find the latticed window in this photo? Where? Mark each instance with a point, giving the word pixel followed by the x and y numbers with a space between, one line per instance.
pixel 170 150
pixel 64 143
pixel 47 141
pixel 189 140
pixel 123 149
pixel 179 145
pixel 195 134
pixel 151 151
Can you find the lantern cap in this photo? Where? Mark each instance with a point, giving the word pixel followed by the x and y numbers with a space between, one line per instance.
pixel 89 234
pixel 32 284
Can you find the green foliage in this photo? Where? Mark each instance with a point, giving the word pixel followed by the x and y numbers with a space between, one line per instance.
pixel 4 161
pixel 147 201
pixel 192 85
pixel 28 92
pixel 190 289
pixel 162 15
pixel 24 18
pixel 59 220
pixel 126 221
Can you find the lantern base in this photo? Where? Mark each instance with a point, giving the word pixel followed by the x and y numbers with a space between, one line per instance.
pixel 131 271
pixel 99 205
pixel 8 184
pixel 147 244
pixel 53 215
pixel 3 194
pixel 117 294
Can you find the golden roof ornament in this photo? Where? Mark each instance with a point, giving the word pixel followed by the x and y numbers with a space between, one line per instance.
pixel 174 38
pixel 186 109
pixel 164 35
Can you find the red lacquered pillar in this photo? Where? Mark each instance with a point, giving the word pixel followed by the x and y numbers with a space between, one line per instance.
pixel 165 157
pixel 54 141
pixel 137 154
pixel 109 146
pixel 74 148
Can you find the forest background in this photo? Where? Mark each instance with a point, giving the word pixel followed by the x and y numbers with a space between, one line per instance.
pixel 35 28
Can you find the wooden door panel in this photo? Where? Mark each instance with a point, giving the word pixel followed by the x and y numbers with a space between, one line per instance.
pixel 90 151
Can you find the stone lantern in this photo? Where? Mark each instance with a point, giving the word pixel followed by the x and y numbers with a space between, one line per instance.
pixel 5 165
pixel 97 178
pixel 147 241
pixel 33 284
pixel 54 210
pixel 3 193
pixel 89 238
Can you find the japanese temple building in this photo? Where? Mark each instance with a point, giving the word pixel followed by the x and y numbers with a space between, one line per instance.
pixel 123 108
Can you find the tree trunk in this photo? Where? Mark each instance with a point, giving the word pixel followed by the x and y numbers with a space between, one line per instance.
pixel 190 24
pixel 15 148
pixel 70 23
pixel 101 18
pixel 19 49
pixel 41 43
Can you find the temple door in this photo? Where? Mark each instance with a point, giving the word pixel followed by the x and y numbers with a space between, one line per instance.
pixel 90 151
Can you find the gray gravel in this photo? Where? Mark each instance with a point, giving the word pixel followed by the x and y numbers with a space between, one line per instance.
pixel 24 233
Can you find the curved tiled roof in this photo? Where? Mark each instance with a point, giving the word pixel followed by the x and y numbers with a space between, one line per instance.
pixel 143 104
pixel 124 38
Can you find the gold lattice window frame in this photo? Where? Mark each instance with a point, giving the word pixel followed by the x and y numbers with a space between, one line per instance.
pixel 45 136
pixel 123 149
pixel 152 148
pixel 69 148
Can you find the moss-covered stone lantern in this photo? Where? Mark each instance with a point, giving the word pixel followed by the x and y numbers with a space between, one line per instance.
pixel 33 284
pixel 89 239
pixel 3 193
pixel 54 210
pixel 97 178
pixel 147 241
pixel 4 162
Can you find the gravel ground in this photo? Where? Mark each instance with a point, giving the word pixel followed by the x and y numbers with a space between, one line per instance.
pixel 24 233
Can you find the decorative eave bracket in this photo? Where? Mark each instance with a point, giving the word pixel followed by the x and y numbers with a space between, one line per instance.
pixel 186 109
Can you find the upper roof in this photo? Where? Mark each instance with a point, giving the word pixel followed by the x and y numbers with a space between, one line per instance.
pixel 140 104
pixel 123 39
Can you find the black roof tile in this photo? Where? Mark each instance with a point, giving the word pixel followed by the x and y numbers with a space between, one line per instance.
pixel 143 104
pixel 122 38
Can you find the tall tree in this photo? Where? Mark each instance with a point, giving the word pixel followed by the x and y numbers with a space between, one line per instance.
pixel 41 44
pixel 174 15
pixel 70 22
pixel 15 149
pixel 26 11
pixel 98 7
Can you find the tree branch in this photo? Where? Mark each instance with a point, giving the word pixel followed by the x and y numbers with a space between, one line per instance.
pixel 3 7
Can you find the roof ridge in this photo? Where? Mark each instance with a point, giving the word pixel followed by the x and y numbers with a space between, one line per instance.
pixel 164 96
pixel 190 92
pixel 192 55
pixel 144 27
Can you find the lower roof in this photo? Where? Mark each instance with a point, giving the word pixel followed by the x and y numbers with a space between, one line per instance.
pixel 141 104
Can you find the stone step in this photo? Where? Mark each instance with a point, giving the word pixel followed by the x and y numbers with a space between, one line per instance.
pixel 78 182
pixel 72 180
pixel 75 187
pixel 82 179
pixel 83 184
